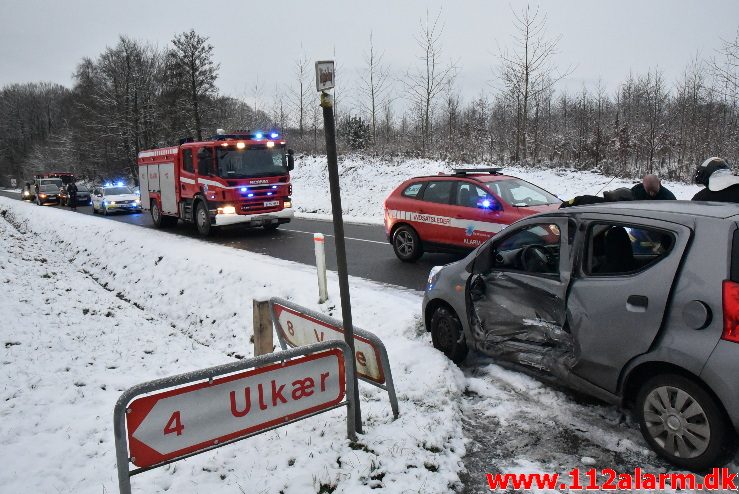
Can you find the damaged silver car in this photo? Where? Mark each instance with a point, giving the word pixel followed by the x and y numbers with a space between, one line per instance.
pixel 633 303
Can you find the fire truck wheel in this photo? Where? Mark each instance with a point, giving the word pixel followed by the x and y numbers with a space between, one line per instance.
pixel 406 244
pixel 202 219
pixel 156 214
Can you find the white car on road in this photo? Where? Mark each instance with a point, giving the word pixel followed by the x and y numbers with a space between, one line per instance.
pixel 115 198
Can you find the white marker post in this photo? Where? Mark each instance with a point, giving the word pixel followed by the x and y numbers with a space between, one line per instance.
pixel 319 241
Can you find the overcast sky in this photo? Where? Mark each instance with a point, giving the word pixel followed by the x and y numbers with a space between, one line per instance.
pixel 43 40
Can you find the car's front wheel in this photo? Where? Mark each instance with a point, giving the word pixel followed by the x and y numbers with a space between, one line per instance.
pixel 407 244
pixel 447 334
pixel 683 422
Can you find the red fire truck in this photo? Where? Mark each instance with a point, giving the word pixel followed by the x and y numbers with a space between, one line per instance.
pixel 238 178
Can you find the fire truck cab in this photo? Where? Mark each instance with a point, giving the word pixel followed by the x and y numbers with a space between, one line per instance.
pixel 239 178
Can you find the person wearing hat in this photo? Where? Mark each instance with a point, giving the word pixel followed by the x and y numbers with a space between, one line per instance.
pixel 720 183
pixel 621 194
pixel 651 189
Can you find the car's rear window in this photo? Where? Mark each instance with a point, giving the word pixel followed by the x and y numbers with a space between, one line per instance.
pixel 735 257
pixel 413 189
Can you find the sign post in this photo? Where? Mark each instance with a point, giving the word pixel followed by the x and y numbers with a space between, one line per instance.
pixel 298 326
pixel 162 421
pixel 325 74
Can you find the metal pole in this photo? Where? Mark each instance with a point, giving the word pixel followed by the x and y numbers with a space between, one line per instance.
pixel 319 241
pixel 329 127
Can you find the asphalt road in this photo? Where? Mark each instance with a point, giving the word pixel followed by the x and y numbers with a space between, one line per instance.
pixel 368 253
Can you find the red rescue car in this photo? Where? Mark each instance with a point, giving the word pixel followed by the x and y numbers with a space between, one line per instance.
pixel 458 212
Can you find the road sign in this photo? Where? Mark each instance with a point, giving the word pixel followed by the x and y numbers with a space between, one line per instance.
pixel 298 326
pixel 162 421
pixel 325 75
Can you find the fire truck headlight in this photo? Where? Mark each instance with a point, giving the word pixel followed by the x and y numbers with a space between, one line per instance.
pixel 240 145
pixel 288 203
pixel 227 210
pixel 270 144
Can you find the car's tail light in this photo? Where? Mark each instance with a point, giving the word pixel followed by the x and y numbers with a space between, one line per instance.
pixel 731 311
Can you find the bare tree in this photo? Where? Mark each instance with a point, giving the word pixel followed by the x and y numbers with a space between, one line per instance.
pixel 425 83
pixel 528 70
pixel 301 91
pixel 191 65
pixel 726 67
pixel 374 85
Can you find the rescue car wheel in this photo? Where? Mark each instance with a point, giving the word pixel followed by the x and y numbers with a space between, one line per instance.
pixel 683 423
pixel 407 244
pixel 202 219
pixel 447 334
pixel 105 211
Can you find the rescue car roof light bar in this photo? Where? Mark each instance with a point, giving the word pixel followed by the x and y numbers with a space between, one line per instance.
pixel 465 171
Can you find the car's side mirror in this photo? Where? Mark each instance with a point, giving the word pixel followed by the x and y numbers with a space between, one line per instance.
pixel 290 160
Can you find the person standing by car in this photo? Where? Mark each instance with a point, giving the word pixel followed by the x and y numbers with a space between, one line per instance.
pixel 651 189
pixel 720 183
pixel 72 195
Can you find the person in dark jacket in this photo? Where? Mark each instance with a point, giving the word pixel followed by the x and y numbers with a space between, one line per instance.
pixel 622 194
pixel 651 189
pixel 720 184
pixel 72 195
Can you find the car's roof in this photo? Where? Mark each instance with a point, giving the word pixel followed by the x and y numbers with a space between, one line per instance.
pixel 480 177
pixel 660 209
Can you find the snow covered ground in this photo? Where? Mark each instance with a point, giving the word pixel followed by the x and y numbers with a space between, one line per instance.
pixel 366 182
pixel 86 319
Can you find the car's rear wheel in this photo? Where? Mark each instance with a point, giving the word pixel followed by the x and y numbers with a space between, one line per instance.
pixel 447 334
pixel 407 244
pixel 683 423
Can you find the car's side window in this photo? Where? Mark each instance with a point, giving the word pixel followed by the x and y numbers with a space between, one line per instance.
pixel 412 190
pixel 618 249
pixel 532 249
pixel 472 196
pixel 439 192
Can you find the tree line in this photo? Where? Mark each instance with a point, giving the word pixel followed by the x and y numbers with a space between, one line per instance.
pixel 135 96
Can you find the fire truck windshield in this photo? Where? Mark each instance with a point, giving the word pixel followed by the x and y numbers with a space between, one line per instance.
pixel 253 162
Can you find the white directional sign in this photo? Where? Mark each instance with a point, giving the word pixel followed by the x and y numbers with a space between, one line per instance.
pixel 180 421
pixel 300 329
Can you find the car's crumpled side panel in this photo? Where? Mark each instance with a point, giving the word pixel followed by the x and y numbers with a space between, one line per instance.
pixel 522 319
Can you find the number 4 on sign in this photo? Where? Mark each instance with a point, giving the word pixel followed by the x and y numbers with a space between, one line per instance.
pixel 174 424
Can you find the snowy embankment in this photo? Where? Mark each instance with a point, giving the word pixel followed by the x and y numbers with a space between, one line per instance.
pixel 92 307
pixel 366 182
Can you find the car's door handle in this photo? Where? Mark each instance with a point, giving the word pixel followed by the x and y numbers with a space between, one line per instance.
pixel 637 303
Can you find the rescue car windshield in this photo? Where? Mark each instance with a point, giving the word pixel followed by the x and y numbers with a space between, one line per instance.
pixel 116 191
pixel 252 162
pixel 519 193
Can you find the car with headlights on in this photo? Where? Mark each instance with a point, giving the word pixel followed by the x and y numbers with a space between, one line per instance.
pixel 459 211
pixel 634 303
pixel 47 194
pixel 115 199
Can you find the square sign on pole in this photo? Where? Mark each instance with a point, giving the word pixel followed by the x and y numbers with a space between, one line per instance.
pixel 325 75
